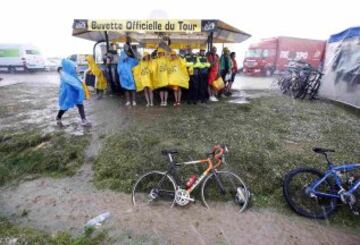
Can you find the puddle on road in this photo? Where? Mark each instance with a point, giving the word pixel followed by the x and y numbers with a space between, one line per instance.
pixel 239 97
pixel 245 96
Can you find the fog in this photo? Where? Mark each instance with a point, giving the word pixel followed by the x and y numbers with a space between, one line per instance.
pixel 48 24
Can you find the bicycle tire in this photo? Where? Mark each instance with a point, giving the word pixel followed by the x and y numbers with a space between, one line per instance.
pixel 297 88
pixel 324 210
pixel 280 83
pixel 314 90
pixel 308 85
pixel 138 193
pixel 305 92
pixel 285 85
pixel 230 197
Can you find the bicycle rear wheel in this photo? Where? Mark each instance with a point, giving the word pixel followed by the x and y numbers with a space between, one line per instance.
pixel 284 84
pixel 314 90
pixel 299 198
pixel 154 188
pixel 235 195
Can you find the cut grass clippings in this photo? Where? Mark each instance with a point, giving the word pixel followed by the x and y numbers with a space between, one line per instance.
pixel 266 138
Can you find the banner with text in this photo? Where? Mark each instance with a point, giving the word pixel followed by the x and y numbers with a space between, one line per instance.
pixel 144 25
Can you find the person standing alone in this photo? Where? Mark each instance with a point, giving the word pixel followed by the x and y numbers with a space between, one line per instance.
pixel 71 92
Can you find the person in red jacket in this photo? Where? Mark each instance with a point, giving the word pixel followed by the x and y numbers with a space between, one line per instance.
pixel 213 74
pixel 234 70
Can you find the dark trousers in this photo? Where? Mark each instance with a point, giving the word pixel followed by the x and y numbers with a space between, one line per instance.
pixel 112 77
pixel 203 85
pixel 223 76
pixel 193 93
pixel 80 108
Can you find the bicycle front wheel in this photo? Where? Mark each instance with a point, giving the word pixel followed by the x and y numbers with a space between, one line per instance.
pixel 154 188
pixel 225 188
pixel 297 193
pixel 297 88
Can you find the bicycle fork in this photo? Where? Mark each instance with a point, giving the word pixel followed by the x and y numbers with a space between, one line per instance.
pixel 219 183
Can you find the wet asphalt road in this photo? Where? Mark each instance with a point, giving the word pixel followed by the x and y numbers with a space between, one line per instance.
pixel 241 82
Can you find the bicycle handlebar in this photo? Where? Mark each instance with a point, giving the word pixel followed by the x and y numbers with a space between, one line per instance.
pixel 218 151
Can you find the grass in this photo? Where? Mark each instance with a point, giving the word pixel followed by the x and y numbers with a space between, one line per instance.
pixel 34 153
pixel 24 147
pixel 266 138
pixel 16 234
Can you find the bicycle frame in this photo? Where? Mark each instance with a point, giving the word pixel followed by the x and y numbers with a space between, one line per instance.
pixel 333 171
pixel 211 168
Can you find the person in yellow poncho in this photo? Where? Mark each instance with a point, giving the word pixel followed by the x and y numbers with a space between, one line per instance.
pixel 160 75
pixel 100 81
pixel 143 79
pixel 178 76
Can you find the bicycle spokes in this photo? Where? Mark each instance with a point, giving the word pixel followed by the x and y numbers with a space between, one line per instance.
pixel 233 191
pixel 154 188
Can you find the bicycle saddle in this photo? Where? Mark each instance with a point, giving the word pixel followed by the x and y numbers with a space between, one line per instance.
pixel 322 150
pixel 166 152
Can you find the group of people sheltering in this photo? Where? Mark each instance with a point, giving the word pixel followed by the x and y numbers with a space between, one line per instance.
pixel 201 77
pixel 195 76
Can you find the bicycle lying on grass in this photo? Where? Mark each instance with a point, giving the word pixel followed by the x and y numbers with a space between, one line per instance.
pixel 314 194
pixel 164 187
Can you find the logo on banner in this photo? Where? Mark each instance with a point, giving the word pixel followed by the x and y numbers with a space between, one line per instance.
pixel 80 24
pixel 208 25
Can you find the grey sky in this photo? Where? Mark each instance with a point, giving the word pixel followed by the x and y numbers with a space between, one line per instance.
pixel 47 24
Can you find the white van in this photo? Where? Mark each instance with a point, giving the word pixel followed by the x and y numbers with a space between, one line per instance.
pixel 20 57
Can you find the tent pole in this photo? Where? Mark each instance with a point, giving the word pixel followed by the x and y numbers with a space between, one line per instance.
pixel 210 41
pixel 107 42
pixel 94 48
pixel 108 65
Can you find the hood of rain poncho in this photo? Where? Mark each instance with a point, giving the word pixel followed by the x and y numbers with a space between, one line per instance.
pixel 71 90
pixel 124 68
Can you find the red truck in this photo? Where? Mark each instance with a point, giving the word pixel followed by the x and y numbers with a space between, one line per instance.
pixel 273 55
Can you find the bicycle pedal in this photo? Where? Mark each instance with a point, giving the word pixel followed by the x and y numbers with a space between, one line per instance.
pixel 191 199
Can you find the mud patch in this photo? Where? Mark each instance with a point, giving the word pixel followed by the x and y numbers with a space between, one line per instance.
pixel 67 204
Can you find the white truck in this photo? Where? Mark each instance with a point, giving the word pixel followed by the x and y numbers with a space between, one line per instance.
pixel 20 57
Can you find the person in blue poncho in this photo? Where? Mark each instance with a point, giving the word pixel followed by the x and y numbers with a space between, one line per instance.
pixel 127 82
pixel 71 92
